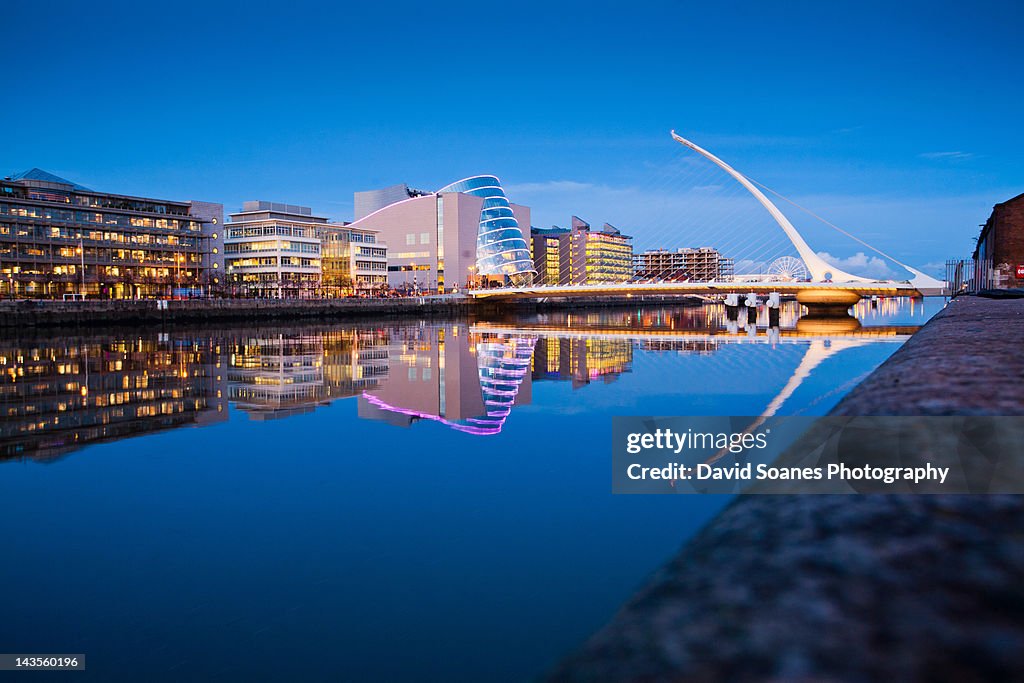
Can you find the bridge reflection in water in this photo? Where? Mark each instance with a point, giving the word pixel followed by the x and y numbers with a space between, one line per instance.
pixel 57 396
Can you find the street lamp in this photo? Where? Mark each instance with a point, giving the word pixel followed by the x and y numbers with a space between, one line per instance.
pixel 81 253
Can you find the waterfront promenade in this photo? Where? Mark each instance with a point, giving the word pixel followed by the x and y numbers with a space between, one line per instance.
pixel 31 313
pixel 40 313
pixel 853 588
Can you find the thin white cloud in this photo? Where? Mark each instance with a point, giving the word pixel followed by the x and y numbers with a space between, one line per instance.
pixel 864 265
pixel 750 267
pixel 954 156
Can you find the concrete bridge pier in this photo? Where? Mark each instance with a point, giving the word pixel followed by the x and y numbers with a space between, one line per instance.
pixel 828 302
pixel 751 304
pixel 732 306
pixel 774 303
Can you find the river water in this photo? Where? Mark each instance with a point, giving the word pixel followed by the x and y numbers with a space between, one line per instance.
pixel 374 501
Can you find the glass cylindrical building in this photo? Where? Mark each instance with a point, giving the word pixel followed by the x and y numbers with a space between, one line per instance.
pixel 501 248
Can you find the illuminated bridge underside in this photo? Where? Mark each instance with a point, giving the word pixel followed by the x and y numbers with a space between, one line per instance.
pixel 881 333
pixel 804 291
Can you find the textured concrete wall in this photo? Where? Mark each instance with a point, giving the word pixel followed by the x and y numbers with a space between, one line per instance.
pixel 850 588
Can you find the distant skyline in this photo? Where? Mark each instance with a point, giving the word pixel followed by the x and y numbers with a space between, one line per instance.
pixel 899 123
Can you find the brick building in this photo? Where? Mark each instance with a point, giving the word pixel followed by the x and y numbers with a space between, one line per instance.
pixel 1002 242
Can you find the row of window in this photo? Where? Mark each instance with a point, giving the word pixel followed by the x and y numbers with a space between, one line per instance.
pixel 267 229
pixel 335 235
pixel 95 201
pixel 47 232
pixel 116 219
pixel 272 245
pixel 14 252
pixel 272 261
pixel 93 273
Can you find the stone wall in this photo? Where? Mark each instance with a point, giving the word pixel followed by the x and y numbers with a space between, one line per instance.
pixel 32 313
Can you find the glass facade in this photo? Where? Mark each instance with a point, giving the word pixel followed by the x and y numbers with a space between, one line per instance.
pixel 501 248
pixel 58 238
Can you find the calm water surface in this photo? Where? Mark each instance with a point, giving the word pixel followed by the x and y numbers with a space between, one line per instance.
pixel 378 501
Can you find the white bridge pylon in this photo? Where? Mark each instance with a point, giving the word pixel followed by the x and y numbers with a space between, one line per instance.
pixel 819 269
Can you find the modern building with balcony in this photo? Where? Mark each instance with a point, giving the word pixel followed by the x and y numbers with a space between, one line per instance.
pixel 272 250
pixel 58 238
pixel 703 264
pixel 467 234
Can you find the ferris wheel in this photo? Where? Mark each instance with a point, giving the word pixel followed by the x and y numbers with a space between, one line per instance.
pixel 787 269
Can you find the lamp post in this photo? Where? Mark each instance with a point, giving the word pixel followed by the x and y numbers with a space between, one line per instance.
pixel 81 253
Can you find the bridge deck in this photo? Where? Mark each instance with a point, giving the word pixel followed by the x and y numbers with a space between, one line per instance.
pixel 881 288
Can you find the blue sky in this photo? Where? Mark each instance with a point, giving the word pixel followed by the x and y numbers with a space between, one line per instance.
pixel 898 121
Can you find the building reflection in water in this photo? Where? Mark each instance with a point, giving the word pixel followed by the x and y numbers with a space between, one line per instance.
pixel 58 396
pixel 445 374
pixel 581 360
pixel 290 372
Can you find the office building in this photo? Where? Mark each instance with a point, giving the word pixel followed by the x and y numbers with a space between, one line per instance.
pixel 578 255
pixel 550 250
pixel 599 256
pixel 351 260
pixel 464 235
pixel 274 250
pixel 695 265
pixel 59 239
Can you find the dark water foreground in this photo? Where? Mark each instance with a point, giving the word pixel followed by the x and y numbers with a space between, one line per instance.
pixel 423 500
pixel 851 588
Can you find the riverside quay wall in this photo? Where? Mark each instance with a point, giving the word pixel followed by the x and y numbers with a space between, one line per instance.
pixel 851 588
pixel 40 313
pixel 17 314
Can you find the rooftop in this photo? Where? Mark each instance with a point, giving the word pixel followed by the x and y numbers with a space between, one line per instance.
pixel 41 176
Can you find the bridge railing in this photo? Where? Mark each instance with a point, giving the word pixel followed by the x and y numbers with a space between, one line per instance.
pixel 969 276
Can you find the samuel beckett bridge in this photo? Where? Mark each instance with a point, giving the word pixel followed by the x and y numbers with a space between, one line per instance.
pixel 807 277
